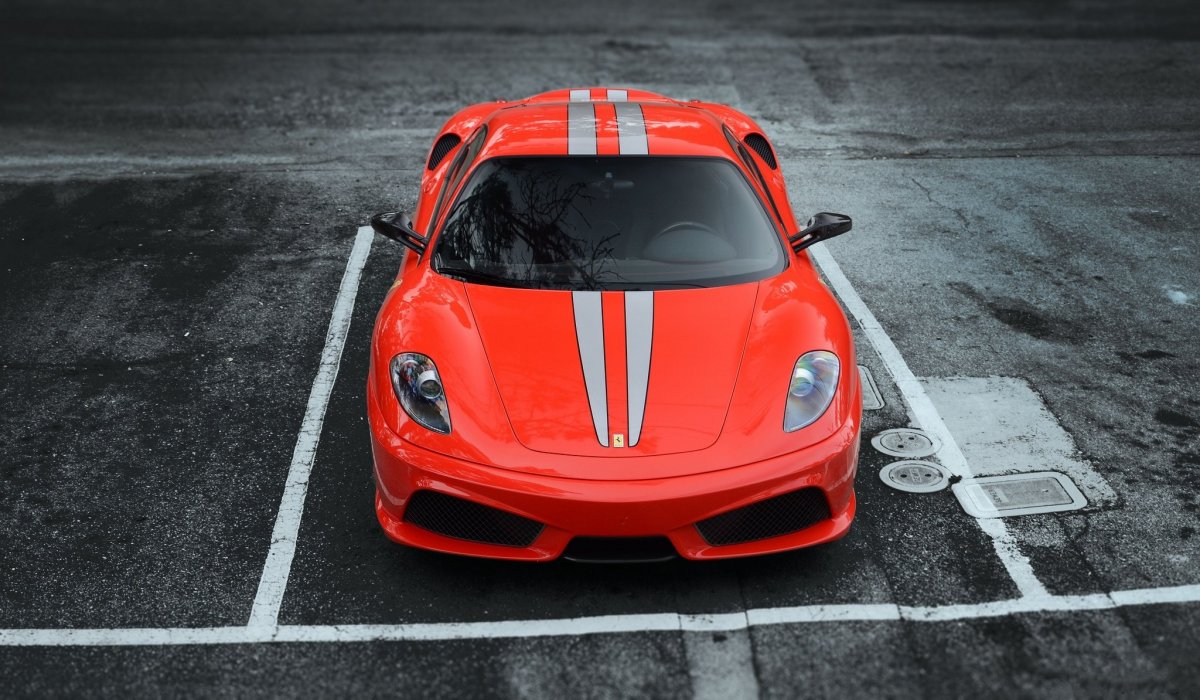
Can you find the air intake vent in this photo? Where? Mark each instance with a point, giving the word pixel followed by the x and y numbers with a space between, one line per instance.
pixel 763 148
pixel 443 146
pixel 466 520
pixel 619 550
pixel 773 517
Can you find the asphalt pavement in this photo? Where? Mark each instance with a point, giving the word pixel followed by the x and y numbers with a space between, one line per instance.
pixel 181 187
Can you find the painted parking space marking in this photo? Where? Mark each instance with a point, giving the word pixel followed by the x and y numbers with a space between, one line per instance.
pixel 602 624
pixel 926 416
pixel 263 625
pixel 265 612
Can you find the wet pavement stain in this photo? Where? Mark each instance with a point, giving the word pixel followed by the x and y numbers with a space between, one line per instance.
pixel 1174 418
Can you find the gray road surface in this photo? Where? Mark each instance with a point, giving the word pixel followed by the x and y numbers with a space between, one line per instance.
pixel 180 187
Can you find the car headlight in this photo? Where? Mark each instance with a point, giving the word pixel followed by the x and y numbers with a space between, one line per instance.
pixel 419 389
pixel 814 381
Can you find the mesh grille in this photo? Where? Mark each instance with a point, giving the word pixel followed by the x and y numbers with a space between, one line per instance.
pixel 443 146
pixel 776 516
pixel 465 520
pixel 763 148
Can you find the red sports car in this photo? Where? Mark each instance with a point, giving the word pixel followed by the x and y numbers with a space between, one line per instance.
pixel 606 342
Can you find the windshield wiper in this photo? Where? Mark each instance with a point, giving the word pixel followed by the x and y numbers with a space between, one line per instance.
pixel 471 275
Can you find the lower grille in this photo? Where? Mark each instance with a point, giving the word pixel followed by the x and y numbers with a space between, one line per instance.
pixel 466 520
pixel 773 517
pixel 619 550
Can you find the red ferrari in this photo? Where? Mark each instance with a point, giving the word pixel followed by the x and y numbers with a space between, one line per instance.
pixel 607 342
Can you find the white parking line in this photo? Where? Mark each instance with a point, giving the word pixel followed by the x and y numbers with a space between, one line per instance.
pixel 263 626
pixel 926 417
pixel 265 613
pixel 602 624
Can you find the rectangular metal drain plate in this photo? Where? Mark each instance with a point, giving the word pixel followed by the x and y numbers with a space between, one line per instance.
pixel 1018 494
pixel 872 399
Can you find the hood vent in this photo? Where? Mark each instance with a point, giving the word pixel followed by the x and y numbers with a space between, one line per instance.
pixel 763 148
pixel 442 148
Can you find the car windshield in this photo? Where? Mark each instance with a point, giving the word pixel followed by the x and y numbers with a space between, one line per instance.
pixel 599 223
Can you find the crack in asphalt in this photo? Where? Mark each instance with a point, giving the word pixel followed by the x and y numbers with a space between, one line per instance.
pixel 929 195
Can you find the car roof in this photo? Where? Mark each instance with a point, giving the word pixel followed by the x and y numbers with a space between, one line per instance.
pixel 604 121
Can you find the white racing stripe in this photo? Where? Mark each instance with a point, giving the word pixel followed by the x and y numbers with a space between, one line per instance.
pixel 639 306
pixel 926 417
pixel 639 336
pixel 582 124
pixel 589 335
pixel 581 129
pixel 265 611
pixel 631 129
pixel 602 624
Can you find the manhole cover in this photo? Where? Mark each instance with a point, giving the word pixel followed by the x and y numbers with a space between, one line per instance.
pixel 915 476
pixel 905 442
pixel 1019 494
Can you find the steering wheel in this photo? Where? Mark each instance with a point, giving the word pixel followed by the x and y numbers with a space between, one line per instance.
pixel 685 242
pixel 683 225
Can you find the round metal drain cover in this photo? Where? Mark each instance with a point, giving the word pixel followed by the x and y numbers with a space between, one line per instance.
pixel 905 442
pixel 915 476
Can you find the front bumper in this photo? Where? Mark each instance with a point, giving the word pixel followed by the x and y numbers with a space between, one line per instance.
pixel 569 508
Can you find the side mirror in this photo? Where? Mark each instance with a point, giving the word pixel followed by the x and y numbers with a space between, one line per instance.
pixel 398 227
pixel 821 227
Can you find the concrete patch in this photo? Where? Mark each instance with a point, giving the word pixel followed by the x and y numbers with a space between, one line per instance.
pixel 721 664
pixel 1003 427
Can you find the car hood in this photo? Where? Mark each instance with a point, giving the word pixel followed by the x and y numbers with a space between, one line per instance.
pixel 614 374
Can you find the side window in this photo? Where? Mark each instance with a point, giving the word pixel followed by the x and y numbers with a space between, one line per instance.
pixel 458 168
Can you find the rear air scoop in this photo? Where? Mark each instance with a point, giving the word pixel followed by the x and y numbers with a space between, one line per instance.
pixel 572 367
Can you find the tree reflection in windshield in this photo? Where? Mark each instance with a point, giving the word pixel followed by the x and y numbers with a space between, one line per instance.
pixel 607 223
pixel 529 226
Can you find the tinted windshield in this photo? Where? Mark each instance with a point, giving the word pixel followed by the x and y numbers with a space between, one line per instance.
pixel 620 222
